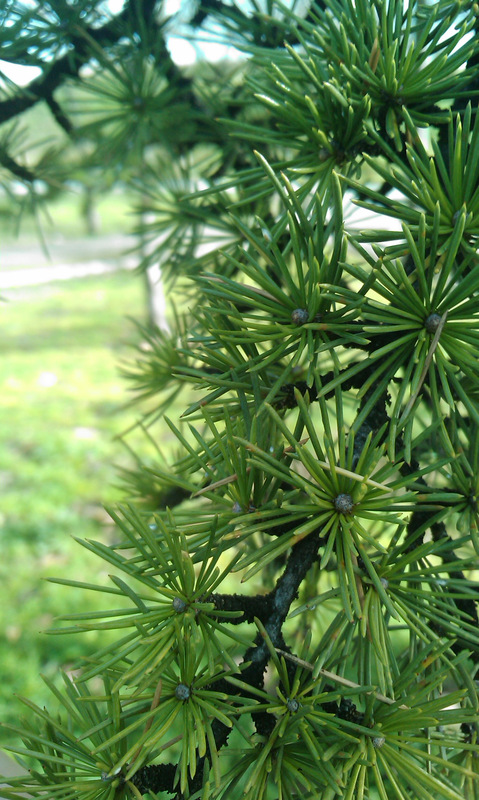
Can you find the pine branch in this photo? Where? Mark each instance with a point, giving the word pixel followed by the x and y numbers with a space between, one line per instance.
pixel 21 172
pixel 259 606
pixel 155 778
pixel 59 115
pixel 69 65
pixel 309 362
pixel 270 36
pixel 302 556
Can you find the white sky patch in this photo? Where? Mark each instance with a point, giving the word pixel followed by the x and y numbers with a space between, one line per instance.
pixel 116 6
pixel 171 7
pixel 19 74
pixel 185 52
pixel 182 52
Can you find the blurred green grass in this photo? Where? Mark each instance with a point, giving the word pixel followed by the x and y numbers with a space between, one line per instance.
pixel 62 398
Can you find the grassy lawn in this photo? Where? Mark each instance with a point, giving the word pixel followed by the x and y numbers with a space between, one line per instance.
pixel 62 398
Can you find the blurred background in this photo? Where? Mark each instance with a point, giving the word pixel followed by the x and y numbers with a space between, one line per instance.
pixel 69 292
pixel 63 402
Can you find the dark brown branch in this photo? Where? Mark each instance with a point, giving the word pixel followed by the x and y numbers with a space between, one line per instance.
pixel 21 172
pixel 302 556
pixel 60 115
pixel 259 606
pixel 155 778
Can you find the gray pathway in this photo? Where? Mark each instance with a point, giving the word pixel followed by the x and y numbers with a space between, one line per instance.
pixel 28 265
pixel 8 767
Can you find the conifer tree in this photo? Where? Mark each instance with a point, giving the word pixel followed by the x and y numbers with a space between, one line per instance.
pixel 294 593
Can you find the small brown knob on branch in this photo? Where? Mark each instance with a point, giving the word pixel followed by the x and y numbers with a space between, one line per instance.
pixel 299 316
pixel 344 503
pixel 431 323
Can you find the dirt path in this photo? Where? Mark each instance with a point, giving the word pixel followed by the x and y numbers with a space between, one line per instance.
pixel 8 767
pixel 28 265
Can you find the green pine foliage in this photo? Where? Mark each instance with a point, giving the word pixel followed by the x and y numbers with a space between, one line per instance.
pixel 294 593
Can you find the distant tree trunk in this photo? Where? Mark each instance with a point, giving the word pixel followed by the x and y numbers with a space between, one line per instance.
pixel 155 295
pixel 89 212
pixel 156 298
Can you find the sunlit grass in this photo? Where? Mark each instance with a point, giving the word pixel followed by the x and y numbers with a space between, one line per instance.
pixel 62 401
